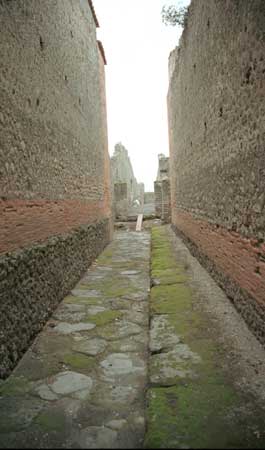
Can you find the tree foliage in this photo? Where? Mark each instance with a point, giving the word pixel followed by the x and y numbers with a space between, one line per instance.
pixel 174 15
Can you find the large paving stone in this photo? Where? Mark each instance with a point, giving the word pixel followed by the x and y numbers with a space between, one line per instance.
pixel 119 330
pixel 68 328
pixel 70 382
pixel 70 316
pixel 112 395
pixel 166 368
pixel 91 347
pixel 121 364
pixel 86 293
pixel 162 335
pixel 130 272
pixel 94 310
pixel 45 392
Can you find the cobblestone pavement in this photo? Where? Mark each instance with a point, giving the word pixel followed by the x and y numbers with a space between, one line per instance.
pixel 82 383
pixel 145 352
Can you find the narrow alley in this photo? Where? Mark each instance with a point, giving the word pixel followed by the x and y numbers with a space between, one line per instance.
pixel 132 224
pixel 120 365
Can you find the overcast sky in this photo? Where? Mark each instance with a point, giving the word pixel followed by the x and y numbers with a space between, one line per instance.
pixel 137 45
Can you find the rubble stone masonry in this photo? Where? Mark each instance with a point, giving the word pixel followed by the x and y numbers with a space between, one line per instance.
pixel 55 195
pixel 216 104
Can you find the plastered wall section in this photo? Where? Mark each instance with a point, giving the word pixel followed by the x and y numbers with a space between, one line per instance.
pixel 54 163
pixel 216 105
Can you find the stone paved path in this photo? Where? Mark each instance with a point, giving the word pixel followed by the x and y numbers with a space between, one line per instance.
pixel 82 384
pixel 122 366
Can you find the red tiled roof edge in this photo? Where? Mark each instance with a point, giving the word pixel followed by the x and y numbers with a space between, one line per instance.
pixel 102 51
pixel 93 12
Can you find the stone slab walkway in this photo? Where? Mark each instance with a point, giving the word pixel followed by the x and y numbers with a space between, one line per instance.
pixel 120 365
pixel 82 383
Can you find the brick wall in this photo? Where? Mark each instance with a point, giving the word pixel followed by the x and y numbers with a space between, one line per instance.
pixel 54 161
pixel 216 104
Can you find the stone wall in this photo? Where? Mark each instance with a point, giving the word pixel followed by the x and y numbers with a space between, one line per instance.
pixel 158 199
pixel 122 172
pixel 162 190
pixel 55 192
pixel 216 104
pixel 121 204
pixel 33 280
pixel 149 197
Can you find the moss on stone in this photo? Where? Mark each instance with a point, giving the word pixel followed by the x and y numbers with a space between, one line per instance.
pixel 201 411
pixel 51 420
pixel 112 290
pixel 79 361
pixel 189 415
pixel 103 318
pixel 169 276
pixel 86 300
pixel 167 299
pixel 15 386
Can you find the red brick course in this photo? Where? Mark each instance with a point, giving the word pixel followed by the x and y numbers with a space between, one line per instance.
pixel 23 222
pixel 241 259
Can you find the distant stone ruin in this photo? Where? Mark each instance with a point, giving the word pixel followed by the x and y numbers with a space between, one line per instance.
pixel 128 194
pixel 162 190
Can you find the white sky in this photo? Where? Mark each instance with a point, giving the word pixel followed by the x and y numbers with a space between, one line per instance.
pixel 137 45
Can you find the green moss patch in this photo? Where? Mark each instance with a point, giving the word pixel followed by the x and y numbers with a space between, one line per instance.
pixel 104 317
pixel 167 299
pixel 113 290
pixel 169 276
pixel 52 420
pixel 79 361
pixel 15 386
pixel 189 415
pixel 204 410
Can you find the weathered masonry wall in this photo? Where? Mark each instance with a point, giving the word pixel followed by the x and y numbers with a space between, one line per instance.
pixel 121 204
pixel 162 190
pixel 149 204
pixel 122 173
pixel 158 199
pixel 55 196
pixel 216 104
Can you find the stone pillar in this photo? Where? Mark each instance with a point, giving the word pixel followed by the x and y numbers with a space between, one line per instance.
pixel 165 201
pixel 158 199
pixel 121 200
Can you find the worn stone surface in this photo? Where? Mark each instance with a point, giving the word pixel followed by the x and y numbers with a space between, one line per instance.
pixel 82 384
pixel 70 382
pixel 196 398
pixel 162 190
pixel 91 346
pixel 203 371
